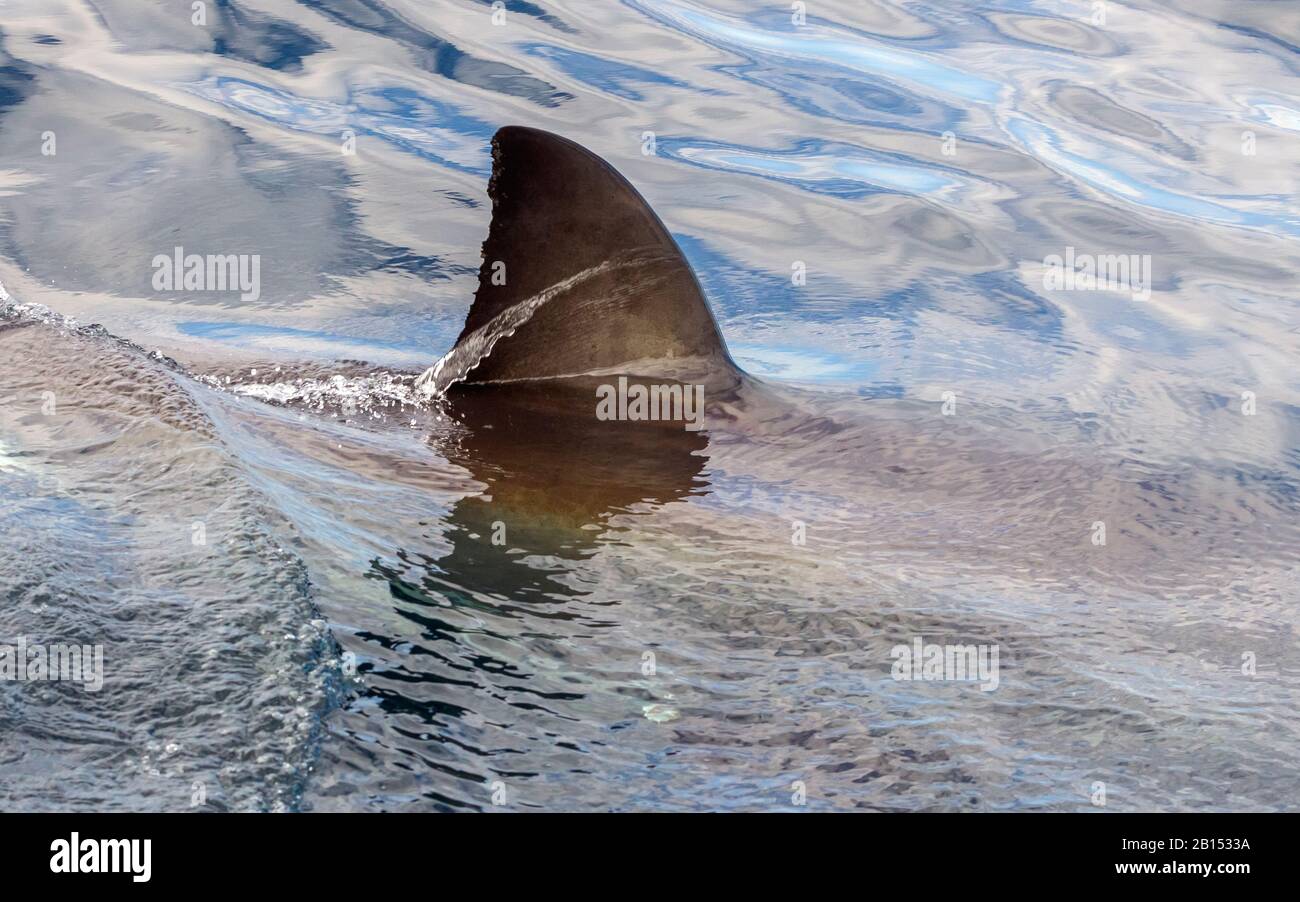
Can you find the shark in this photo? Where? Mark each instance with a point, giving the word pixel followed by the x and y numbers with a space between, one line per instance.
pixel 591 377
pixel 584 294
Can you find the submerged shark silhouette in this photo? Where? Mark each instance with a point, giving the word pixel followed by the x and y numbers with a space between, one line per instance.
pixel 580 286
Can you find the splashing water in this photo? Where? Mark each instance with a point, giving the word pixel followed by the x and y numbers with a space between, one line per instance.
pixel 376 395
pixel 457 363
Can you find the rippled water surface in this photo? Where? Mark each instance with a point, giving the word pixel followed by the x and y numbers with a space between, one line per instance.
pixel 869 198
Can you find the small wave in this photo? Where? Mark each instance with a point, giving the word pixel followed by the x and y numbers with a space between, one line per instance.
pixel 375 395
pixel 134 530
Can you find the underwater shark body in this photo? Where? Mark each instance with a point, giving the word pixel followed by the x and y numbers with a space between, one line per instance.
pixel 585 548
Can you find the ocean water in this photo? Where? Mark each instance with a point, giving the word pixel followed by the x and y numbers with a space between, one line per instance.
pixel 286 552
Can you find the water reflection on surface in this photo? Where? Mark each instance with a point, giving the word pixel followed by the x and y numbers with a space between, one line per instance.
pixel 920 162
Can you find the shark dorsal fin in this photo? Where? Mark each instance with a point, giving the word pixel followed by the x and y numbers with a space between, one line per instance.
pixel 578 273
